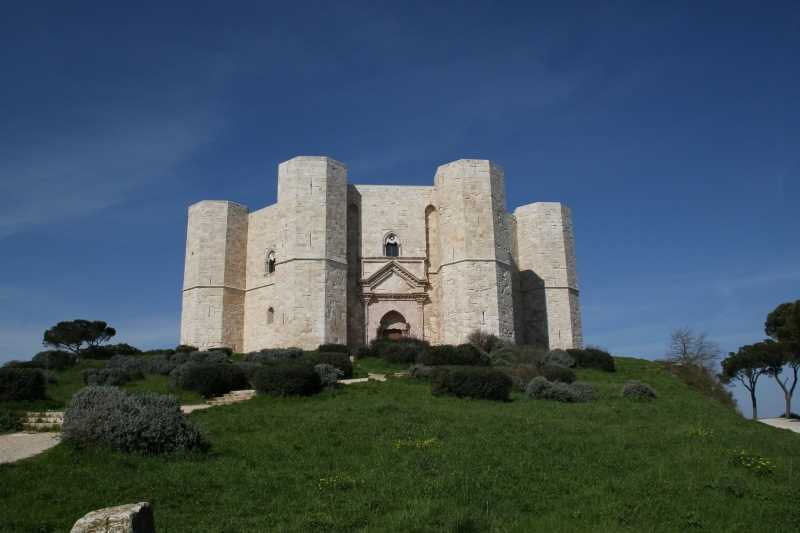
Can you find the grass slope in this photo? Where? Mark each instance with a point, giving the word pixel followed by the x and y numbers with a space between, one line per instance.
pixel 390 457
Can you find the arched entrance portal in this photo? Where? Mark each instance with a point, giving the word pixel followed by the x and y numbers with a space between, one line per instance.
pixel 393 326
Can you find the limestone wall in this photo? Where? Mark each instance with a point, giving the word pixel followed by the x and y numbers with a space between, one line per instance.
pixel 391 209
pixel 547 276
pixel 214 275
pixel 475 243
pixel 307 230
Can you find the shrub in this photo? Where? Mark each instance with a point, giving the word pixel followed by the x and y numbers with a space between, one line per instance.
pixel 20 364
pixel 105 376
pixel 328 374
pixel 54 360
pixel 593 358
pixel 400 351
pixel 331 347
pixel 249 369
pixel 421 371
pixel 185 348
pixel 486 342
pixel 132 365
pixel 512 355
pixel 363 351
pixel 274 355
pixel 471 382
pixel 558 373
pixel 638 390
pixel 336 359
pixel 541 389
pixel 160 364
pixel 224 349
pixel 521 375
pixel 585 391
pixel 21 384
pixel 97 352
pixel 290 378
pixel 208 378
pixel 9 421
pixel 445 354
pixel 559 358
pixel 123 349
pixel 147 423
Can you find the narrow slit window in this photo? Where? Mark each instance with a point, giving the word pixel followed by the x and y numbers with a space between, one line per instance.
pixel 270 315
pixel 270 262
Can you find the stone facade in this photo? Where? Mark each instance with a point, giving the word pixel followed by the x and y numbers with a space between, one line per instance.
pixel 337 263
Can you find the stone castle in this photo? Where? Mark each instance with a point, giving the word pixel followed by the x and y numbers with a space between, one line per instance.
pixel 332 262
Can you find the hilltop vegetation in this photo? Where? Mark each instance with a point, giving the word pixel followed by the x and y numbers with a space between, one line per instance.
pixel 392 457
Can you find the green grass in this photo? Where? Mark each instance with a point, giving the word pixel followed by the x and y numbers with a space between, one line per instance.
pixel 366 365
pixel 70 381
pixel 391 457
pixel 58 394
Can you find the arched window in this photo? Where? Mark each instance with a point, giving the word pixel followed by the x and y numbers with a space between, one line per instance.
pixel 391 246
pixel 270 315
pixel 270 262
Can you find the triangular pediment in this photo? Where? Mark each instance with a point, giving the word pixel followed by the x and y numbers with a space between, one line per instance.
pixel 393 278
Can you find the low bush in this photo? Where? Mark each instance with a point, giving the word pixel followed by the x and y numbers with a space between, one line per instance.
pixel 273 355
pixel 223 349
pixel 336 359
pixel 399 351
pixel 638 390
pixel 593 358
pixel 364 351
pixel 112 377
pixel 445 354
pixel 515 355
pixel 185 348
pixel 9 421
pixel 559 358
pixel 21 384
pixel 108 351
pixel 421 371
pixel 208 378
pixel 585 391
pixel 485 341
pixel 558 373
pixel 160 364
pixel 331 347
pixel 15 363
pixel 54 360
pixel 471 382
pixel 541 389
pixel 328 374
pixel 289 378
pixel 521 375
pixel 130 364
pixel 249 369
pixel 146 423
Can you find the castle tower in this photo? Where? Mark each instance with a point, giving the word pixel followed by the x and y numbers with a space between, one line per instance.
pixel 475 241
pixel 213 280
pixel 548 312
pixel 312 291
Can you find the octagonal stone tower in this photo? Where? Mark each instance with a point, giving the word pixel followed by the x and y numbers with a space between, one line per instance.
pixel 338 263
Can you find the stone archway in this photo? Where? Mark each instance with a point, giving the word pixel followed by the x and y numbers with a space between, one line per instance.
pixel 393 326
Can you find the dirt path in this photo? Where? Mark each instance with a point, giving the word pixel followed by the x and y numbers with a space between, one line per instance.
pixel 18 446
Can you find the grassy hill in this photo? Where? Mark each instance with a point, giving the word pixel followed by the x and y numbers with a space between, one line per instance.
pixel 391 457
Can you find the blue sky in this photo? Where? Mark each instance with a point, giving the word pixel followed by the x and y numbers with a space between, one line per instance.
pixel 671 129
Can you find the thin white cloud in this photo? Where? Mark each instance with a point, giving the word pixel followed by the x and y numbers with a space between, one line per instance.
pixel 78 176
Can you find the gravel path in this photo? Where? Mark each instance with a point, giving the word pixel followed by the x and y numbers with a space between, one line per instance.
pixel 16 446
pixel 792 424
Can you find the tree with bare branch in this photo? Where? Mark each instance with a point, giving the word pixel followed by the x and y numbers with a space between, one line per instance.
pixel 690 348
